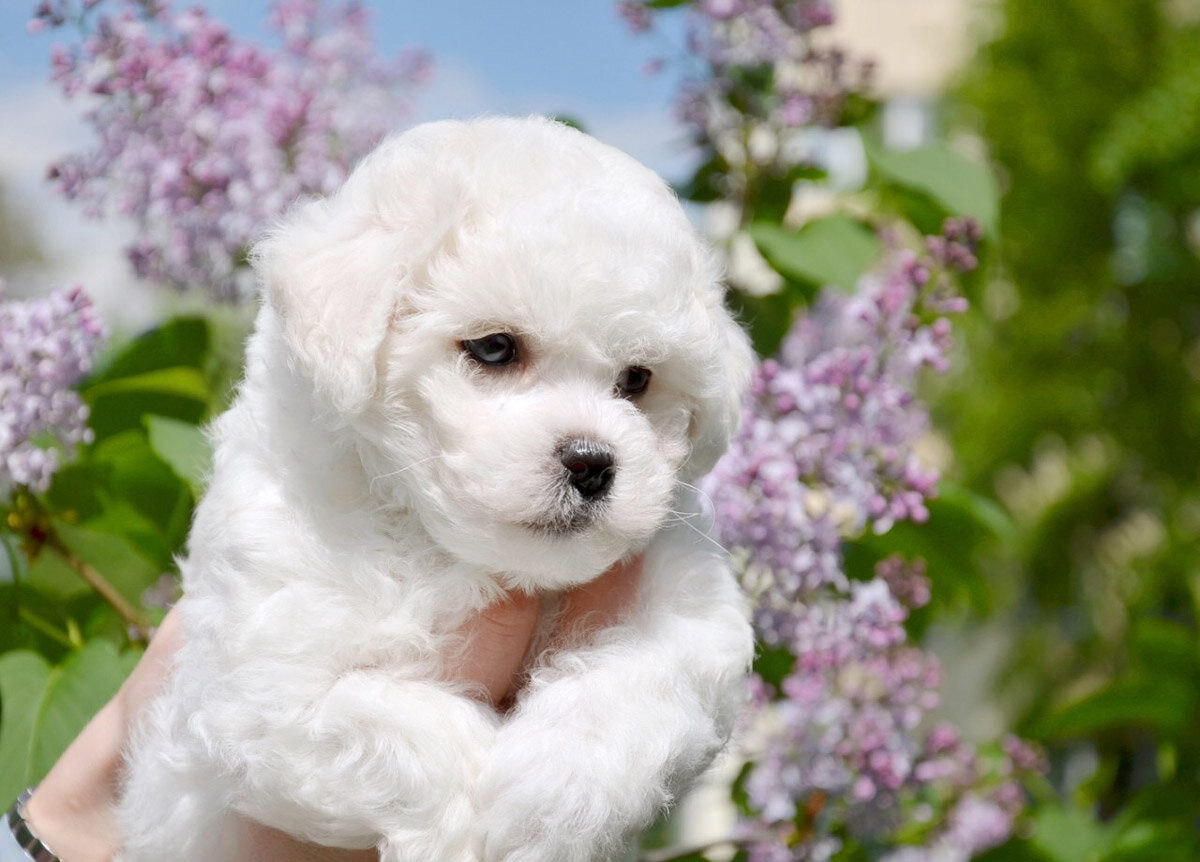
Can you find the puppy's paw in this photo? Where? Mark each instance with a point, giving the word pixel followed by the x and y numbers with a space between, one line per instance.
pixel 561 795
pixel 448 839
pixel 584 764
pixel 539 816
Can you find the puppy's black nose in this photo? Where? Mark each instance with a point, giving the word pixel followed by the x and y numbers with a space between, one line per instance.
pixel 589 466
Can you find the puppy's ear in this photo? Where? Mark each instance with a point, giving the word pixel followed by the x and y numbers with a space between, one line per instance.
pixel 720 412
pixel 334 280
pixel 334 269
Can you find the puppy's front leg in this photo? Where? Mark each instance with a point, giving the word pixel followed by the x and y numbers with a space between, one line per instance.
pixel 607 734
pixel 376 760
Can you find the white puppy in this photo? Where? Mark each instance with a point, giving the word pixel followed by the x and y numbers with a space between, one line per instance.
pixel 490 362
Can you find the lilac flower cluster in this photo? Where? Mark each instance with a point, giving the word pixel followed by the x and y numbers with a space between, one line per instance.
pixel 764 62
pixel 46 345
pixel 204 137
pixel 849 706
pixel 826 452
pixel 827 443
pixel 850 755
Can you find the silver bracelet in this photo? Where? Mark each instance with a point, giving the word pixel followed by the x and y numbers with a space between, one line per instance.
pixel 19 828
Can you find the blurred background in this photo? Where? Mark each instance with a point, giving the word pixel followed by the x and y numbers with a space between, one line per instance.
pixel 576 59
pixel 1064 552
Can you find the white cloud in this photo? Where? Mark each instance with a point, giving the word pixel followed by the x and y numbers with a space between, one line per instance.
pixel 456 90
pixel 647 132
pixel 650 135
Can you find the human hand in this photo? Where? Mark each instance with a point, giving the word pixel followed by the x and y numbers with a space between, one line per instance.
pixel 72 810
pixel 601 602
pixel 498 638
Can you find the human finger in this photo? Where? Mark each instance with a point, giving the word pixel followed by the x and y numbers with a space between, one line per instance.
pixel 603 601
pixel 494 645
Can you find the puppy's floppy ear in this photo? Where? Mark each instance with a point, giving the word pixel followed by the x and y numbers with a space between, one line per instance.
pixel 720 411
pixel 333 279
pixel 333 269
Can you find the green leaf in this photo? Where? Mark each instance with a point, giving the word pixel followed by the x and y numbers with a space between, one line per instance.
pixel 116 557
pixel 164 371
pixel 30 619
pixel 122 521
pixel 183 446
pixel 119 405
pixel 738 793
pixel 1162 702
pixel 180 381
pixel 665 4
pixel 1070 835
pixel 13 565
pixel 135 478
pixel 961 525
pixel 44 707
pixel 835 250
pixel 184 341
pixel 773 663
pixel 1014 850
pixel 124 488
pixel 961 186
pixel 1158 841
pixel 766 317
pixel 705 184
pixel 1159 824
pixel 77 492
pixel 1166 644
pixel 570 121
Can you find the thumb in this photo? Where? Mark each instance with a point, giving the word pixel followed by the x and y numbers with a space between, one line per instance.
pixel 495 644
pixel 603 601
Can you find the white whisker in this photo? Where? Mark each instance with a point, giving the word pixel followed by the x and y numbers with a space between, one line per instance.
pixel 699 491
pixel 685 518
pixel 404 469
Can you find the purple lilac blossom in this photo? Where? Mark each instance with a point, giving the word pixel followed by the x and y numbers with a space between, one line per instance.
pixel 826 448
pixel 809 80
pixel 826 453
pixel 636 16
pixel 755 73
pixel 204 137
pixel 46 345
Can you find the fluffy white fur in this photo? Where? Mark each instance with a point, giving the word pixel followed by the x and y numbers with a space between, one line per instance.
pixel 374 486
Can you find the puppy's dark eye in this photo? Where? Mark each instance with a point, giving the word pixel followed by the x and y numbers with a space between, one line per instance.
pixel 499 348
pixel 633 381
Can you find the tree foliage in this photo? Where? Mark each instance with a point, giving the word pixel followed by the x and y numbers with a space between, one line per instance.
pixel 1080 406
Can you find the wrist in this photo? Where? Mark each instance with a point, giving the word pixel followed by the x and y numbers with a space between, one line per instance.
pixel 28 841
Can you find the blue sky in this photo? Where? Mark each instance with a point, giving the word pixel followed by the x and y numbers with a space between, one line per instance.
pixel 524 51
pixel 490 56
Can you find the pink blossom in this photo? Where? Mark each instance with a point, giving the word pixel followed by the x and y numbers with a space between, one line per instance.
pixel 826 453
pixel 46 345
pixel 734 37
pixel 203 137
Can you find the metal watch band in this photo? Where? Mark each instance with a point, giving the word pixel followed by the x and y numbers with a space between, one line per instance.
pixel 29 842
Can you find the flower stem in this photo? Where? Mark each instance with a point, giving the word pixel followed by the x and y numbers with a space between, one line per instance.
pixel 134 620
pixel 48 629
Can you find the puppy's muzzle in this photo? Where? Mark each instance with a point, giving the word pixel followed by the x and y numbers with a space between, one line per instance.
pixel 590 466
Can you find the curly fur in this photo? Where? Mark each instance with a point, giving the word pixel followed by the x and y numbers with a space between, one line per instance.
pixel 374 487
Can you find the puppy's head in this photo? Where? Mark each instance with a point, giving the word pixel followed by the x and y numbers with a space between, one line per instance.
pixel 524 334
